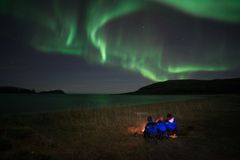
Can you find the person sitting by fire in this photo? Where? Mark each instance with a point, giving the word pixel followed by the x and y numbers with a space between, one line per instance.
pixel 171 126
pixel 150 130
pixel 161 128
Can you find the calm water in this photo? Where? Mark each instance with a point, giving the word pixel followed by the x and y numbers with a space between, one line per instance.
pixel 21 103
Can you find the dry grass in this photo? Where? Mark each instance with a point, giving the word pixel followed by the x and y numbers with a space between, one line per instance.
pixel 207 130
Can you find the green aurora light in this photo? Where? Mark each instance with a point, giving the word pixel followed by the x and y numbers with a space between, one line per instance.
pixel 61 31
pixel 194 68
pixel 223 10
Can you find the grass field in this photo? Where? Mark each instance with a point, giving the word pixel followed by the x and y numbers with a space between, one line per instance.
pixel 208 129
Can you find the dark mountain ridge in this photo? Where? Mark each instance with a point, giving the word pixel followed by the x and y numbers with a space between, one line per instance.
pixel 191 86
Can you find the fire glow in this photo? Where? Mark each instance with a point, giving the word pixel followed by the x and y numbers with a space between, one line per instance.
pixel 137 130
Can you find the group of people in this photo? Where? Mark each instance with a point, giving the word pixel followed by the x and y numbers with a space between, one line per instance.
pixel 162 128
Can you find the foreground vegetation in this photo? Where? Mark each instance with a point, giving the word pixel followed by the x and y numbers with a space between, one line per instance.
pixel 208 129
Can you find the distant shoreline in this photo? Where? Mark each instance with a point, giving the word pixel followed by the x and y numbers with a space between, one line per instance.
pixel 170 87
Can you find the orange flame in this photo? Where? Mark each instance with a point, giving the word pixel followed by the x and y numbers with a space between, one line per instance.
pixel 136 130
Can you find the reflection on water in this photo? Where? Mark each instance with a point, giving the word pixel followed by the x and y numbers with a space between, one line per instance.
pixel 21 103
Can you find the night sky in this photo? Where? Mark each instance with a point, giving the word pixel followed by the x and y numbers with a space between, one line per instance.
pixel 114 46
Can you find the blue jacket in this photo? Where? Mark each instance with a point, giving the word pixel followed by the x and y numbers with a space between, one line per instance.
pixel 151 128
pixel 171 126
pixel 161 127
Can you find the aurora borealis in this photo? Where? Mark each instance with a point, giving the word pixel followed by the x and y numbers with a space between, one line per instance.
pixel 155 39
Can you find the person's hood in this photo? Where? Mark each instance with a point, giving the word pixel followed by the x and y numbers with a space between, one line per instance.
pixel 171 120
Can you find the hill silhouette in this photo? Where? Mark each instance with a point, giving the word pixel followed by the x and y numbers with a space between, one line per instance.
pixel 10 89
pixel 52 92
pixel 19 90
pixel 191 86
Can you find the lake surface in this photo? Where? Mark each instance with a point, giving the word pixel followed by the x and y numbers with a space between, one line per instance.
pixel 24 103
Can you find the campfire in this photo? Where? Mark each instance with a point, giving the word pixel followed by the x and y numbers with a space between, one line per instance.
pixel 137 130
